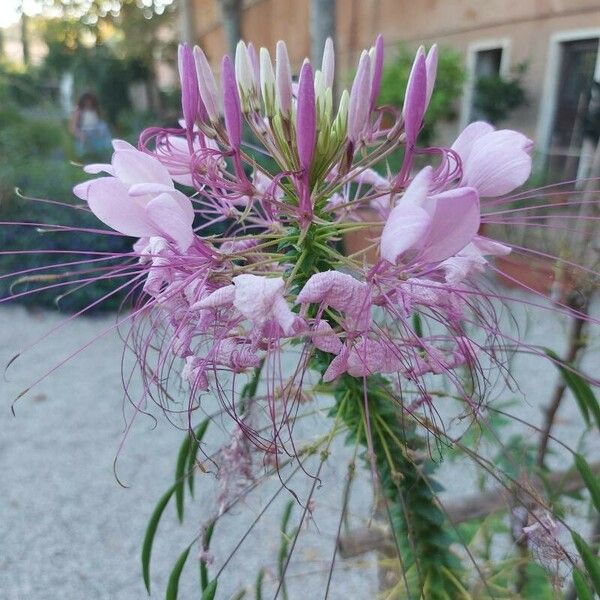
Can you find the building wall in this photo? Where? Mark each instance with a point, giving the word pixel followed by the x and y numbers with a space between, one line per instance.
pixel 526 27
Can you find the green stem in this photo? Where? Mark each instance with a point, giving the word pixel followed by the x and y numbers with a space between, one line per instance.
pixel 432 571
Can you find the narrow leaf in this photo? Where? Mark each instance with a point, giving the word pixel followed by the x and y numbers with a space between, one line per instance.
pixel 590 479
pixel 206 537
pixel 259 584
pixel 173 585
pixel 150 533
pixel 417 324
pixel 194 453
pixel 591 562
pixel 210 591
pixel 581 586
pixel 182 458
pixel 584 396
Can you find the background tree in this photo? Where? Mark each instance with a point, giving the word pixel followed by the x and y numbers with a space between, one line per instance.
pixel 322 26
pixel 231 11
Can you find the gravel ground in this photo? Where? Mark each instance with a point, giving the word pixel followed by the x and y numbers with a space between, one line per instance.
pixel 67 528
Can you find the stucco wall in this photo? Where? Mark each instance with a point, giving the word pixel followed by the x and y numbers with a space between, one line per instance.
pixel 527 25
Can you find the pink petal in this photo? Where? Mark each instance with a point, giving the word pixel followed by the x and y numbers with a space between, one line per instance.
pixel 122 145
pixel 255 296
pixel 324 338
pixel 464 142
pixel 283 315
pixel 81 189
pixel 454 224
pixel 132 166
pixel 489 247
pixel 143 189
pixel 372 356
pixel 498 163
pixel 220 297
pixel 404 229
pixel 407 223
pixel 337 366
pixel 332 288
pixel 167 216
pixel 108 200
pixel 96 168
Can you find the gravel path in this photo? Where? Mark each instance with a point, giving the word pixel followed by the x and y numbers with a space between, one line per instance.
pixel 68 530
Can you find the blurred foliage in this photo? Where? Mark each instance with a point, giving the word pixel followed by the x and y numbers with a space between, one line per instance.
pixel 448 87
pixel 34 151
pixel 497 96
pixel 105 46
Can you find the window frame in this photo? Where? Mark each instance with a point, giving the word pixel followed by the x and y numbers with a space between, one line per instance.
pixel 473 49
pixel 550 91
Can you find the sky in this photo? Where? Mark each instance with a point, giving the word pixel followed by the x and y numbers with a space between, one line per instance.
pixel 9 9
pixel 9 12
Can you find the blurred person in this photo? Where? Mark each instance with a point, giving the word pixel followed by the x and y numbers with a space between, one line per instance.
pixel 91 132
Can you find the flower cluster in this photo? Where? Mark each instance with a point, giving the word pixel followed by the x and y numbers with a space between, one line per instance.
pixel 275 276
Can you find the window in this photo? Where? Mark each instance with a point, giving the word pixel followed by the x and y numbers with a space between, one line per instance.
pixel 487 64
pixel 573 123
pixel 484 60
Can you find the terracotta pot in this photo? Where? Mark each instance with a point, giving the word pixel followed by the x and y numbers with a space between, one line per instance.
pixel 535 273
pixel 355 241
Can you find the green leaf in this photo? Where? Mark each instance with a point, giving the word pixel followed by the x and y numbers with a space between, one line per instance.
pixel 173 585
pixel 205 546
pixel 581 586
pixel 590 479
pixel 591 562
pixel 259 584
pixel 583 393
pixel 210 591
pixel 417 324
pixel 194 452
pixel 182 458
pixel 239 595
pixel 150 533
pixel 284 546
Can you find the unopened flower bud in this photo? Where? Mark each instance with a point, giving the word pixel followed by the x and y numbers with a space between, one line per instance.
pixel 190 97
pixel 306 117
pixel 431 63
pixel 376 56
pixel 328 64
pixel 359 104
pixel 283 79
pixel 415 98
pixel 231 103
pixel 267 82
pixel 207 85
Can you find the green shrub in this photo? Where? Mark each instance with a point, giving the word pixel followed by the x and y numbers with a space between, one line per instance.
pixel 497 96
pixel 448 87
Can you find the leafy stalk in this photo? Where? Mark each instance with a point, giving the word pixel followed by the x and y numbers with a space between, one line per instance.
pixel 418 523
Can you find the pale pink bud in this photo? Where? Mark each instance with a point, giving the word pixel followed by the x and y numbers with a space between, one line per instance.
pixel 283 79
pixel 431 63
pixel 328 65
pixel 358 109
pixel 207 85
pixel 376 70
pixel 243 73
pixel 267 81
pixel 253 58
